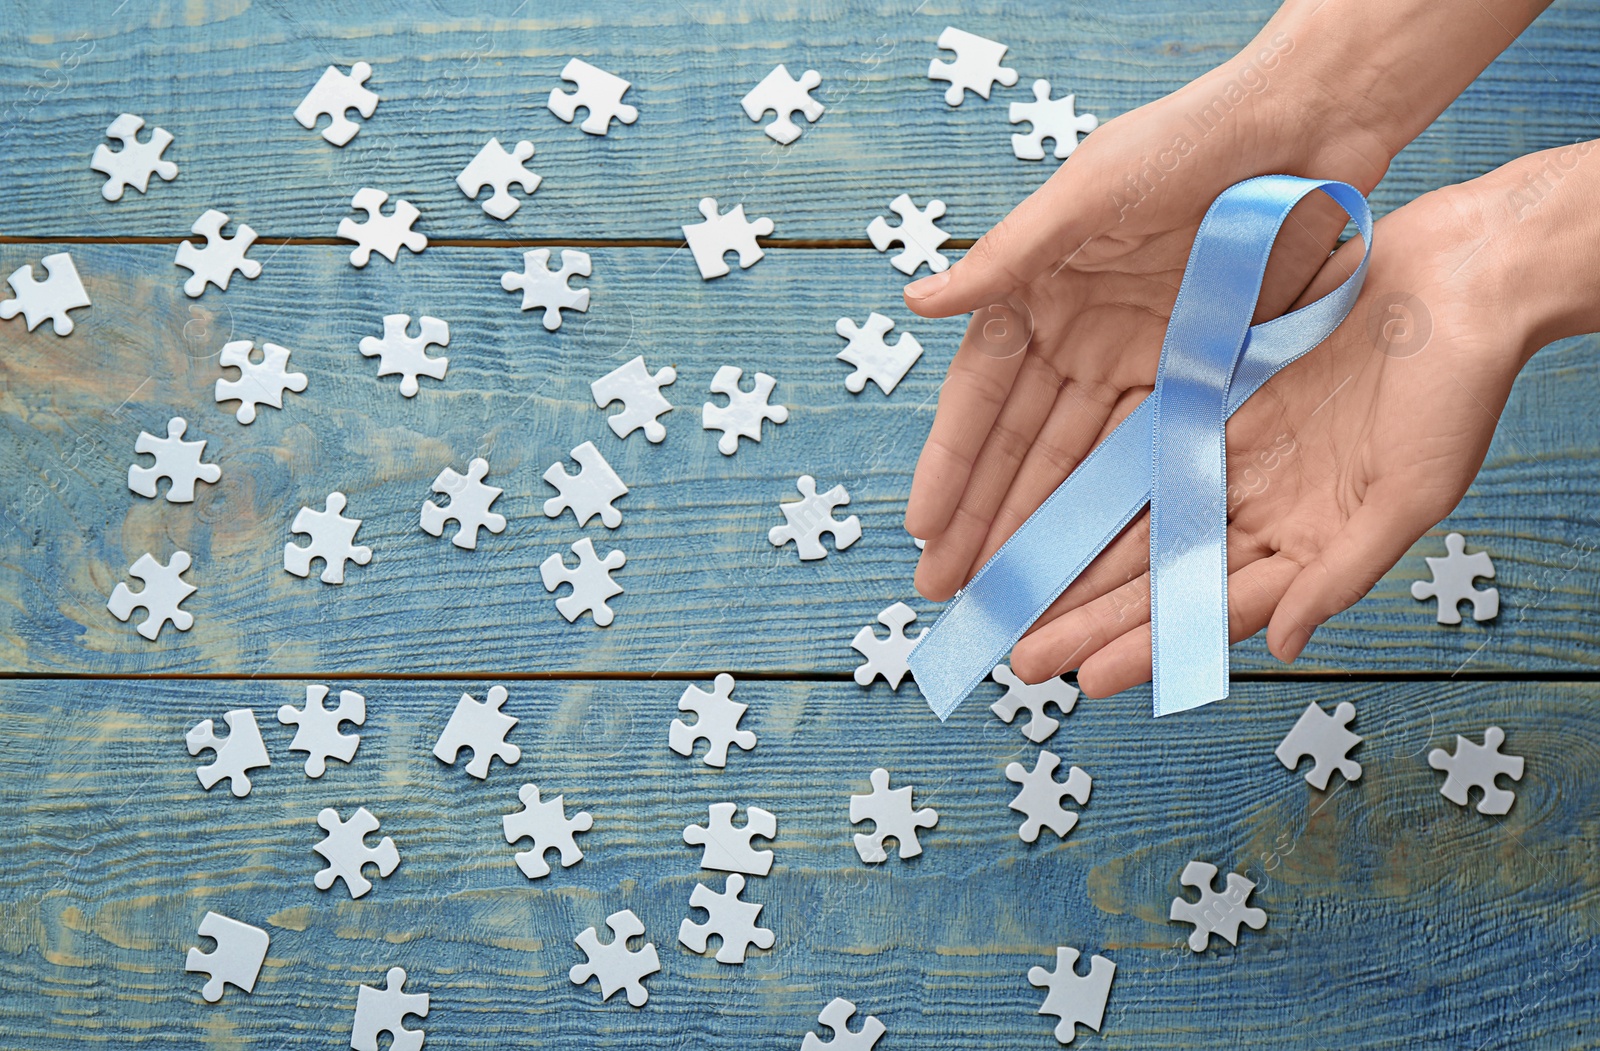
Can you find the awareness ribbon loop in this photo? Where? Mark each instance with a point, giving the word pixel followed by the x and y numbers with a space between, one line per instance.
pixel 1170 454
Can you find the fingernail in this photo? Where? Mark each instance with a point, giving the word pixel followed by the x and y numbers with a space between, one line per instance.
pixel 928 286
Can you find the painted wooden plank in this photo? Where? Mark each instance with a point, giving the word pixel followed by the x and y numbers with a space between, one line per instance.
pixel 705 588
pixel 1394 917
pixel 224 78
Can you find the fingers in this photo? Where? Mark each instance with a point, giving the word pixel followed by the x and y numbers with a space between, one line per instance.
pixel 1369 544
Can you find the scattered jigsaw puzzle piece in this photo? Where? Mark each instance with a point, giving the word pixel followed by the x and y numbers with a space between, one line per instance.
pixel 1477 766
pixel 547 824
pixel 176 460
pixel 50 299
pixel 917 235
pixel 215 262
pixel 589 492
pixel 892 817
pixel 164 589
pixel 888 657
pixel 333 94
pixel 497 169
pixel 136 161
pixel 591 582
pixel 317 729
pixel 482 728
pixel 470 500
pixel 401 354
pixel 614 964
pixel 977 66
pixel 598 92
pixel 727 846
pixel 728 918
pixel 1052 119
pixel 717 722
pixel 332 540
pixel 241 950
pixel 259 383
pixel 746 409
pixel 384 234
pixel 549 289
pixel 347 854
pixel 385 1010
pixel 1217 912
pixel 1452 582
pixel 873 357
pixel 640 394
pixel 836 1016
pixel 809 517
pixel 784 96
pixel 720 234
pixel 1035 698
pixel 1041 796
pixel 1326 739
pixel 236 755
pixel 1074 998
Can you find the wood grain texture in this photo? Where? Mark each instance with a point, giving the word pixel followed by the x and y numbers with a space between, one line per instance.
pixel 225 75
pixel 1395 919
pixel 705 588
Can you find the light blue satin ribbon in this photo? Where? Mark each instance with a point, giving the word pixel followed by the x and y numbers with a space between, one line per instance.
pixel 1171 446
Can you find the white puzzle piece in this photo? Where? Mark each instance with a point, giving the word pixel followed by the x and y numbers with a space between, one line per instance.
pixel 710 240
pixel 384 234
pixel 549 289
pixel 598 92
pixel 136 161
pixel 1076 999
pixel 236 961
pixel 164 588
pixel 481 727
pixel 50 299
pixel 784 96
pixel 1452 582
pixel 588 493
pixel 347 854
pixel 893 818
pixel 728 918
pixel 591 582
pixel 1217 912
pixel 836 1016
pixel 385 1010
pixel 1035 698
pixel 614 964
pixel 176 460
pixel 746 409
pixel 333 94
pixel 889 657
pixel 1326 739
pixel 717 723
pixel 546 823
pixel 1052 119
pixel 236 755
pixel 1477 766
pixel 918 237
pixel 401 354
pixel 873 357
pixel 317 728
pixel 727 846
pixel 215 262
pixel 332 540
pixel 259 383
pixel 470 500
pixel 1041 795
pixel 640 394
pixel 495 168
pixel 809 517
pixel 977 66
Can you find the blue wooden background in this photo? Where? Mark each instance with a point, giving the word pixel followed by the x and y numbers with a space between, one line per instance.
pixel 1394 918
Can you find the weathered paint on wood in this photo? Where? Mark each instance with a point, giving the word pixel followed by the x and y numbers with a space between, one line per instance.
pixel 705 588
pixel 224 77
pixel 1395 919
